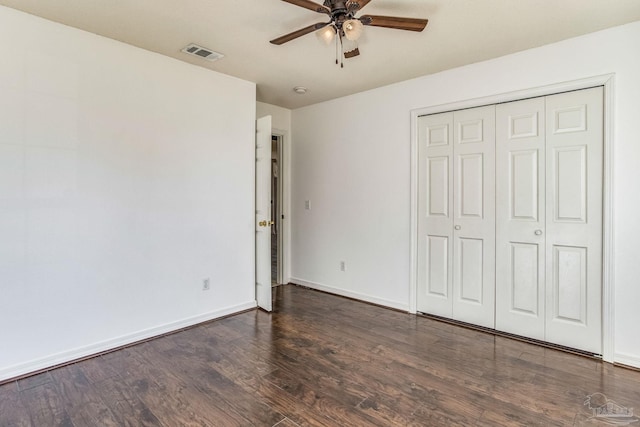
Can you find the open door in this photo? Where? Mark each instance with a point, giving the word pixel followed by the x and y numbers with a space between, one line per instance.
pixel 263 213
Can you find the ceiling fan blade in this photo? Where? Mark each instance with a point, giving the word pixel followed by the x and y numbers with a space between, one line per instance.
pixel 355 5
pixel 301 32
pixel 308 4
pixel 411 24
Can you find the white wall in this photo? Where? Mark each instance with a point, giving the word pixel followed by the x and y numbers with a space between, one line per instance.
pixel 280 117
pixel 356 172
pixel 126 178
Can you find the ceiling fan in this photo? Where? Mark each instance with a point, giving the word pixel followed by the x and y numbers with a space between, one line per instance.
pixel 343 26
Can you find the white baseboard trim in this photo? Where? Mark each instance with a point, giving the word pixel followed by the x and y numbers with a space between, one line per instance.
pixel 355 295
pixel 103 346
pixel 627 359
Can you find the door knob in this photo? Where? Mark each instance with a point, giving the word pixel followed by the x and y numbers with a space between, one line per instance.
pixel 538 232
pixel 457 227
pixel 265 223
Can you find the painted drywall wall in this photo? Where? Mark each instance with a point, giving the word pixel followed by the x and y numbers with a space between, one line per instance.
pixel 356 172
pixel 280 117
pixel 126 179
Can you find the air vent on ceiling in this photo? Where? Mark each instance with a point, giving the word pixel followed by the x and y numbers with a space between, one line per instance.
pixel 202 52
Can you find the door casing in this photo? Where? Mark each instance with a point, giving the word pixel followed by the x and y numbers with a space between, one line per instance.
pixel 284 205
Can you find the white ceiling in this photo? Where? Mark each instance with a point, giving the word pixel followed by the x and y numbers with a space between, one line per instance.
pixel 459 32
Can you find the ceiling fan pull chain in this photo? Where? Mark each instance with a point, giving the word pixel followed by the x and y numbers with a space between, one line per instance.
pixel 336 50
pixel 341 52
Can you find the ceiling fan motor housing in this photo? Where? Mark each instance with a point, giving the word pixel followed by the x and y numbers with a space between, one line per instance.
pixel 341 11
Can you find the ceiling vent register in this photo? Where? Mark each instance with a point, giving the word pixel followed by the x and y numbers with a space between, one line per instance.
pixel 202 52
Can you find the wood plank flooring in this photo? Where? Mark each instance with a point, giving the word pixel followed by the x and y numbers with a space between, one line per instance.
pixel 321 360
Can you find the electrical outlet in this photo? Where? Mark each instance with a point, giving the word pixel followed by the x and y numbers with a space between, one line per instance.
pixel 343 266
pixel 206 285
pixel 307 205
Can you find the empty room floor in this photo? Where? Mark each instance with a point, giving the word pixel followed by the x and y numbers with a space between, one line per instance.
pixel 323 360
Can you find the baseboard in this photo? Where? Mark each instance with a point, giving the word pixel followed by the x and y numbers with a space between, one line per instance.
pixel 44 363
pixel 627 359
pixel 355 295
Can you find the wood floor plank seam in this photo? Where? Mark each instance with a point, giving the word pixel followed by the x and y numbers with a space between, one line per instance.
pixel 320 360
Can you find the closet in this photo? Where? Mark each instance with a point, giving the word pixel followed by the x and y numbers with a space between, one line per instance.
pixel 510 217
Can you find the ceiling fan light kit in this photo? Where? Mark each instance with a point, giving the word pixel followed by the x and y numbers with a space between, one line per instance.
pixel 326 34
pixel 352 29
pixel 344 24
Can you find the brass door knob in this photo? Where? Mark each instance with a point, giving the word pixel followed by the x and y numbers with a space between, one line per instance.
pixel 266 223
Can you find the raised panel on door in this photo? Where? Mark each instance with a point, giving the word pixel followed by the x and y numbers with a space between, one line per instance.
pixel 437 291
pixel 570 184
pixel 471 194
pixel 524 266
pixel 520 222
pixel 569 284
pixel 437 257
pixel 435 206
pixel 574 219
pixel 470 269
pixel 437 186
pixel 474 221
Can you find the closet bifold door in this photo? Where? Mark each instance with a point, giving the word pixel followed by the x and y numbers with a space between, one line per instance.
pixel 520 218
pixel 574 219
pixel 456 223
pixel 474 216
pixel 549 157
pixel 435 214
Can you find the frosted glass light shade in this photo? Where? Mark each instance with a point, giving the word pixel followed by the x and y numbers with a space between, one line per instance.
pixel 326 34
pixel 352 29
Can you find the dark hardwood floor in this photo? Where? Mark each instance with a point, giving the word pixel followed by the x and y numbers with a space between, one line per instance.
pixel 321 360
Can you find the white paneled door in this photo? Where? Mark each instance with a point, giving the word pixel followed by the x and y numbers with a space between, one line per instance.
pixel 574 136
pixel 520 218
pixel 457 223
pixel 474 216
pixel 549 218
pixel 263 213
pixel 435 208
pixel 510 217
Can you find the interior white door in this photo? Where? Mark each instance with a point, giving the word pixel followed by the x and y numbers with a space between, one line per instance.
pixel 263 213
pixel 435 214
pixel 520 218
pixel 574 219
pixel 474 216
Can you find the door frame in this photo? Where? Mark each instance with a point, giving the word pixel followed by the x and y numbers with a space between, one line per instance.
pixel 284 205
pixel 608 261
